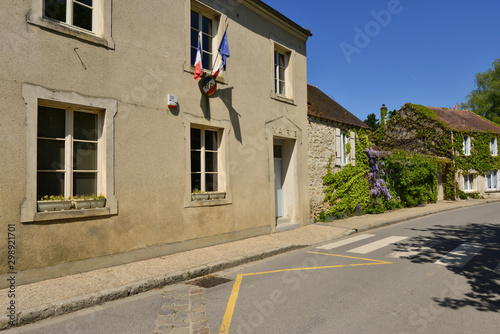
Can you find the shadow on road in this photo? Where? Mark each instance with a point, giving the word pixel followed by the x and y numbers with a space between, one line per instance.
pixel 479 272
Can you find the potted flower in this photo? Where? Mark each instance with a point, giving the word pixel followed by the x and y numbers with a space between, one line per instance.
pixel 88 201
pixel 53 203
pixel 197 195
pixel 216 195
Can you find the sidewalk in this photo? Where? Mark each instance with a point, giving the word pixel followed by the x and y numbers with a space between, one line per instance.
pixel 67 294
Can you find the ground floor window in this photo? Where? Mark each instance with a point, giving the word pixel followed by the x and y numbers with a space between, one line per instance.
pixel 492 180
pixel 468 182
pixel 205 144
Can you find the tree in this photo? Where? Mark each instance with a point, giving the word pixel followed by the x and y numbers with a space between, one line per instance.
pixel 372 121
pixel 485 99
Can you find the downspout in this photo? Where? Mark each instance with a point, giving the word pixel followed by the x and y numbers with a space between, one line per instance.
pixel 453 166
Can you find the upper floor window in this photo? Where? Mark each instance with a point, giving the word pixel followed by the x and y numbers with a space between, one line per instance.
pixel 204 24
pixel 280 64
pixel 78 13
pixel 493 147
pixel 344 140
pixel 466 145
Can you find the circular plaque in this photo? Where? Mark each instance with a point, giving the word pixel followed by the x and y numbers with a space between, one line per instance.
pixel 208 86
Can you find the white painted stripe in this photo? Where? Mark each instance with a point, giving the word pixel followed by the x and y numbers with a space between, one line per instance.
pixel 376 245
pixel 346 241
pixel 460 255
pixel 414 250
pixel 497 269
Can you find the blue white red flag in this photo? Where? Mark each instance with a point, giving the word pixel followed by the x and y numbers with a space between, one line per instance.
pixel 198 68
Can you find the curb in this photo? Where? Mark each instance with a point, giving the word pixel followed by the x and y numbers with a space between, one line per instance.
pixel 93 299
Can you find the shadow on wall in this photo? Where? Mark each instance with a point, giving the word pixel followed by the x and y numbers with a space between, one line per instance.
pixel 483 281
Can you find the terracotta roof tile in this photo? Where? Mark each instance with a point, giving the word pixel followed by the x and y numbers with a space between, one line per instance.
pixel 321 105
pixel 465 120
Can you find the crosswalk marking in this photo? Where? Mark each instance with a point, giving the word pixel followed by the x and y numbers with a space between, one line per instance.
pixel 460 255
pixel 497 269
pixel 376 245
pixel 346 241
pixel 414 250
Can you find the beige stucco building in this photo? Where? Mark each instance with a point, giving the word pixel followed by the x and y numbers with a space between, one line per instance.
pixel 85 109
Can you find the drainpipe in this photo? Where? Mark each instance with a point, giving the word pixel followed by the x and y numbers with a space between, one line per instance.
pixel 453 166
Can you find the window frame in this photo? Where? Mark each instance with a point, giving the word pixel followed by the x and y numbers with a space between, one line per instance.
pixel 213 37
pixel 343 148
pixel 69 146
pixel 493 147
pixel 468 180
pixel 203 153
pixel 467 145
pixel 32 95
pixel 495 179
pixel 101 23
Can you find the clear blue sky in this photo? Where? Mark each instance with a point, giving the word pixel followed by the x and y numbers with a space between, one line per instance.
pixel 427 52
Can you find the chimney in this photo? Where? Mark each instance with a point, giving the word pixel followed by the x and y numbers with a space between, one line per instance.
pixel 456 106
pixel 383 115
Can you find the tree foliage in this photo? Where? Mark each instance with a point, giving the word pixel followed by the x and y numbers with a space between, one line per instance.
pixel 485 99
pixel 372 121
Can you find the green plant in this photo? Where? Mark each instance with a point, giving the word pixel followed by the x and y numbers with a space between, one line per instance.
pixel 196 191
pixel 53 198
pixel 88 197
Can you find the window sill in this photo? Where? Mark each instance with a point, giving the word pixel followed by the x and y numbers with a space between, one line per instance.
pixel 71 31
pixel 212 199
pixel 283 99
pixel 71 214
pixel 491 190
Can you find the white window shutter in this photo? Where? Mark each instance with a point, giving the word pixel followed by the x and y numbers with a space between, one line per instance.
pixel 338 143
pixel 352 153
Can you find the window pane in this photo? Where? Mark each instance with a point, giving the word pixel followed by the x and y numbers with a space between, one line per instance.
pixel 211 140
pixel 82 16
pixel 55 9
pixel 206 61
pixel 282 73
pixel 50 183
pixel 195 139
pixel 193 56
pixel 84 183
pixel 282 59
pixel 281 88
pixel 195 181
pixel 50 154
pixel 211 162
pixel 195 23
pixel 206 25
pixel 51 122
pixel 84 156
pixel 277 151
pixel 206 43
pixel 195 161
pixel 194 39
pixel 85 126
pixel 211 182
pixel 87 2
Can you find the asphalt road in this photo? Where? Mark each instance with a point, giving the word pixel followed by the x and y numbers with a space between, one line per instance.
pixel 438 274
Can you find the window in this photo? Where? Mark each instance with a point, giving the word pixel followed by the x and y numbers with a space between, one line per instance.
pixel 468 182
pixel 466 145
pixel 493 147
pixel 78 13
pixel 343 147
pixel 492 180
pixel 204 24
pixel 88 20
pixel 280 64
pixel 205 145
pixel 68 151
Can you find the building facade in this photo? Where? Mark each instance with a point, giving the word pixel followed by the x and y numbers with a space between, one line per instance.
pixel 98 97
pixel 332 142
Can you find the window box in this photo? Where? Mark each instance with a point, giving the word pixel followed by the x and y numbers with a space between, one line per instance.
pixel 44 206
pixel 199 196
pixel 88 203
pixel 216 195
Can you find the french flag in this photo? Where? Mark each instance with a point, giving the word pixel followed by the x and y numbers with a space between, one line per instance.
pixel 198 69
pixel 224 53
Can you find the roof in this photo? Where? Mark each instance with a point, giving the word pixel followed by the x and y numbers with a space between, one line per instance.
pixel 322 106
pixel 465 120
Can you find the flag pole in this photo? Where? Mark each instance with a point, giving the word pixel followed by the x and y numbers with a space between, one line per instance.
pixel 218 51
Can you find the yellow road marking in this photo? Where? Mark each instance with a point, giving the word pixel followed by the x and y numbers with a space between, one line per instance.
pixel 226 321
